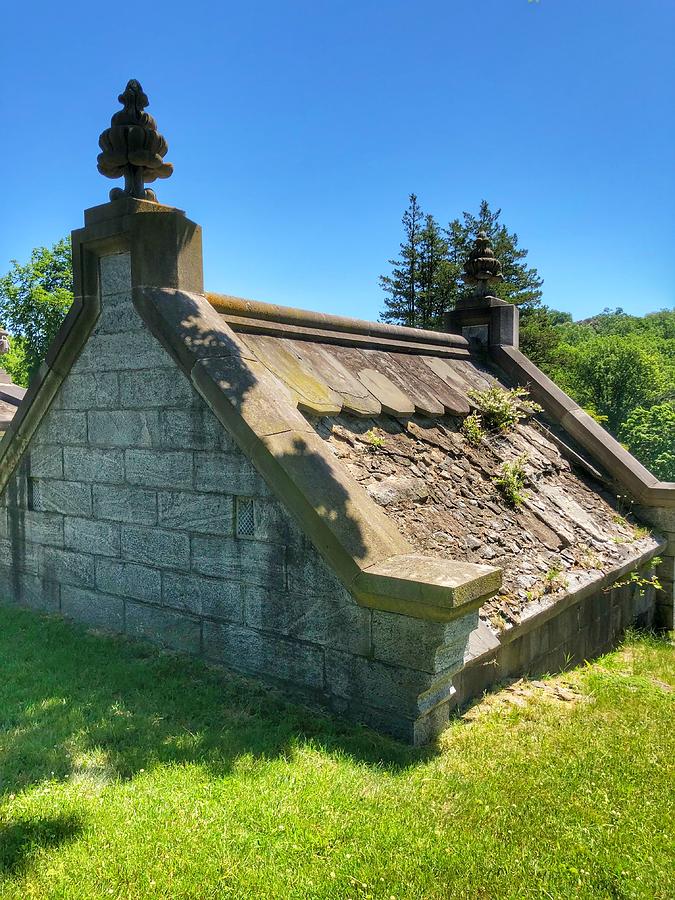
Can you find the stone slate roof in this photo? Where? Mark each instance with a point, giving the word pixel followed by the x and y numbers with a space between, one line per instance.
pixel 389 403
pixel 332 364
pixel 298 391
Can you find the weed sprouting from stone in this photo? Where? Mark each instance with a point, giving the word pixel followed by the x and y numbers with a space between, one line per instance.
pixel 554 580
pixel 511 480
pixel 472 428
pixel 635 579
pixel 374 438
pixel 637 532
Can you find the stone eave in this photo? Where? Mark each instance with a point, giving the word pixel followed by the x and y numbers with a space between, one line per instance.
pixel 484 642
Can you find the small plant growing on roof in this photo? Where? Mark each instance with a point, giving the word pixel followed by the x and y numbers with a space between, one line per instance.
pixel 554 580
pixel 502 409
pixel 472 428
pixel 637 532
pixel 374 438
pixel 639 581
pixel 587 557
pixel 511 480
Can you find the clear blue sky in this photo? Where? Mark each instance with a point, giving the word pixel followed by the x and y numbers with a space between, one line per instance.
pixel 297 130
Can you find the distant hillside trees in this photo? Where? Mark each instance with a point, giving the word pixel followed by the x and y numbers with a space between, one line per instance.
pixel 620 368
pixel 34 299
pixel 426 278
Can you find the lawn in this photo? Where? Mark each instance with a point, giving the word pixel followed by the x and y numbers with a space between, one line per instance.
pixel 128 773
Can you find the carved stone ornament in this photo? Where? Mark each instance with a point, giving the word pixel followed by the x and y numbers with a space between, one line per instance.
pixel 482 266
pixel 132 147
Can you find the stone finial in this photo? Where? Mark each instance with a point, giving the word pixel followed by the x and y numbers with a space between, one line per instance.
pixel 482 266
pixel 132 147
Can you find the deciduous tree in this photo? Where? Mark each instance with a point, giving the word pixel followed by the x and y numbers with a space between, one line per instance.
pixel 650 435
pixel 34 299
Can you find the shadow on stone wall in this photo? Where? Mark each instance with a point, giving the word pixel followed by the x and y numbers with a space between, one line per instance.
pixel 238 397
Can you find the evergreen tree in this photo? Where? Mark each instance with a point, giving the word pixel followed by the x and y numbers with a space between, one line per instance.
pixel 521 283
pixel 426 279
pixel 436 277
pixel 402 286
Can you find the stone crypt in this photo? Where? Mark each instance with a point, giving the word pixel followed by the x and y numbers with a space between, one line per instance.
pixel 297 495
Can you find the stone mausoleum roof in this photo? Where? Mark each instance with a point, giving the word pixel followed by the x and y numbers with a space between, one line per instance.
pixel 390 402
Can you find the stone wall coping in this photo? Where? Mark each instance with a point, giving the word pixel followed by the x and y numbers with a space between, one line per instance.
pixel 244 325
pixel 67 344
pixel 606 450
pixel 483 650
pixel 269 318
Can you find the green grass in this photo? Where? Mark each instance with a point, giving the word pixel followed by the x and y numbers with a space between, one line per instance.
pixel 126 773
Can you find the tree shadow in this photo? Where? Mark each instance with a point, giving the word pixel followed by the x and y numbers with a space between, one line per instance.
pixel 77 705
pixel 200 340
pixel 20 841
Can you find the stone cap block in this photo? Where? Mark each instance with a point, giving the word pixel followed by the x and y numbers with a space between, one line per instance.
pixel 125 206
pixel 426 587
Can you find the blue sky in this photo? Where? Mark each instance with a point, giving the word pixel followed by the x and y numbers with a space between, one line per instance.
pixel 298 129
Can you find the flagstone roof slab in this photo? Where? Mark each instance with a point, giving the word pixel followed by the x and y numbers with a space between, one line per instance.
pixel 439 489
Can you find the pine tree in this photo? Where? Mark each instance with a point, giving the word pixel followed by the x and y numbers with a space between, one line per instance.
pixel 402 286
pixel 427 280
pixel 521 284
pixel 435 276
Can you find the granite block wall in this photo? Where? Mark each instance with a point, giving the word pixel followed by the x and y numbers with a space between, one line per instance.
pixel 131 512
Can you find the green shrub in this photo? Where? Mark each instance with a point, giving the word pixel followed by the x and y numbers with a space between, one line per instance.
pixel 472 428
pixel 373 438
pixel 502 409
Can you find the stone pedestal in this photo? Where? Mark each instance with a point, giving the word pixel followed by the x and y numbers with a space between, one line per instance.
pixel 485 322
pixel 165 246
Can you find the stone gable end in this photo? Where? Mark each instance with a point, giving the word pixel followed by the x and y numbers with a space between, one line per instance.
pixel 123 515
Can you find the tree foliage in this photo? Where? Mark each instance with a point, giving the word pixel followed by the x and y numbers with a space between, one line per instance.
pixel 620 368
pixel 401 287
pixel 612 375
pixel 650 435
pixel 34 299
pixel 426 278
